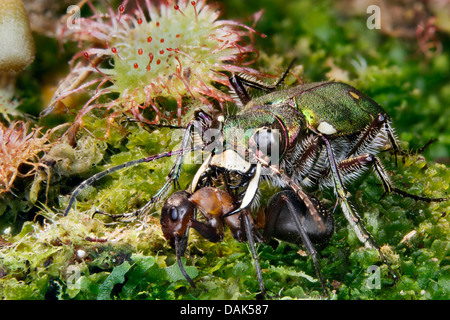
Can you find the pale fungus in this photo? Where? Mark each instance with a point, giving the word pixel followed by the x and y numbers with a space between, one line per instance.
pixel 16 42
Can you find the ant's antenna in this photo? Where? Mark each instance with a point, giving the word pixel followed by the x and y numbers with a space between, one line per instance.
pixel 179 248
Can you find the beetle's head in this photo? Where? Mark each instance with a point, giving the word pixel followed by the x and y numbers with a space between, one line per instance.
pixel 249 138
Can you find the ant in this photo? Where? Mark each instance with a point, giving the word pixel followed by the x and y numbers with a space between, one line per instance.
pixel 286 218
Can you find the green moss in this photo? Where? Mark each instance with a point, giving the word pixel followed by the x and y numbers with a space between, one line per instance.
pixel 81 257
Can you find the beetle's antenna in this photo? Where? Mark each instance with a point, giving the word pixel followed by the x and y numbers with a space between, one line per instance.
pixel 281 80
pixel 128 164
pixel 152 125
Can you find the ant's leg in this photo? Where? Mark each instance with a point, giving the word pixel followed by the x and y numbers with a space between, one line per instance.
pixel 179 251
pixel 207 231
pixel 284 220
pixel 251 243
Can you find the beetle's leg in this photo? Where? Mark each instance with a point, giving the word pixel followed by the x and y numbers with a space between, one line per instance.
pixel 239 82
pixel 389 188
pixel 306 157
pixel 284 75
pixel 173 175
pixel 255 84
pixel 239 89
pixel 426 145
pixel 108 171
pixel 286 216
pixel 312 207
pixel 96 177
pixel 392 139
pixel 350 214
pixel 352 167
pixel 374 137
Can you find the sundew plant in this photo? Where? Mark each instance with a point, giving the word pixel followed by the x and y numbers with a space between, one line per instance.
pixel 144 51
pixel 126 81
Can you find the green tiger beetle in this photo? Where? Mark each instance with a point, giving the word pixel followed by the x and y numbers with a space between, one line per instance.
pixel 315 135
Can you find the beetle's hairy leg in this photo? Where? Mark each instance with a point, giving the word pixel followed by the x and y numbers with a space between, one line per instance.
pixel 351 168
pixel 374 137
pixel 342 194
pixel 392 139
pixel 365 140
pixel 389 187
pixel 307 156
pixel 239 89
pixel 350 213
pixel 172 177
pixel 239 82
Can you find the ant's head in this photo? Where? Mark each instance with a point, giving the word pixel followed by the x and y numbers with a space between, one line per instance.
pixel 176 216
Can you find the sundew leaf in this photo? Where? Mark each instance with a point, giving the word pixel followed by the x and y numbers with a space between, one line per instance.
pixel 117 276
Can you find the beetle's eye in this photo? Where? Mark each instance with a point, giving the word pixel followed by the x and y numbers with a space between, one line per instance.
pixel 267 140
pixel 173 213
